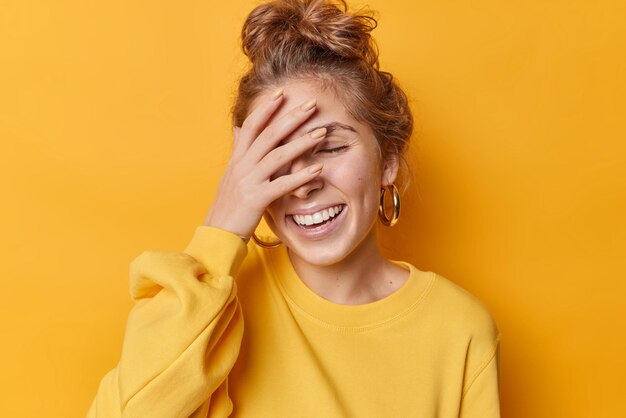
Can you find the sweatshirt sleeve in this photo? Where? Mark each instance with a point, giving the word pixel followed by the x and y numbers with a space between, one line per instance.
pixel 182 335
pixel 481 398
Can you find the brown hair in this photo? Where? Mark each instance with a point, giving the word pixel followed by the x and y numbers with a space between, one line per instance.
pixel 317 40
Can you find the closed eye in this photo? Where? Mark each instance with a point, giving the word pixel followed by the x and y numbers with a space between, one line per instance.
pixel 333 150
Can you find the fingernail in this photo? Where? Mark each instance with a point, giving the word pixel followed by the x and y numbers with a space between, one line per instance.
pixel 277 93
pixel 308 105
pixel 315 168
pixel 318 133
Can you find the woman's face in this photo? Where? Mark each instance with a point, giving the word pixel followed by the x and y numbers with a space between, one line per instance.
pixel 333 215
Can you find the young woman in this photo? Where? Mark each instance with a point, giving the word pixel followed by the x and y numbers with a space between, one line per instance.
pixel 318 324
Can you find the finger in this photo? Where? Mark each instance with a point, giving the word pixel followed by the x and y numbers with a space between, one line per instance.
pixel 285 154
pixel 279 130
pixel 256 121
pixel 287 183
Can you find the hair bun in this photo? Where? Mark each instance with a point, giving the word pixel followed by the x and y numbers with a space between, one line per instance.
pixel 302 25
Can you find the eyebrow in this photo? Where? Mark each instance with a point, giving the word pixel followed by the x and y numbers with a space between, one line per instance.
pixel 332 126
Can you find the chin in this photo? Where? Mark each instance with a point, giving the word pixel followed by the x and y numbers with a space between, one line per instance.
pixel 327 256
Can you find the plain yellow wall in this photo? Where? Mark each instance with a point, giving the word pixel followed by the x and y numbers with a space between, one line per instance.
pixel 114 130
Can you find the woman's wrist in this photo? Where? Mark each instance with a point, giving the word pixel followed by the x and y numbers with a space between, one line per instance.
pixel 209 222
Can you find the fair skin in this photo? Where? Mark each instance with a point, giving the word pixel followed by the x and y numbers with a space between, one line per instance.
pixel 275 170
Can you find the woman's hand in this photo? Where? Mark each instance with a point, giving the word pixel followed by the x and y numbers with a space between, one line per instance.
pixel 247 186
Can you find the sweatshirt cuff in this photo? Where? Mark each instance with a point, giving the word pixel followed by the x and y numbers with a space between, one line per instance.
pixel 221 252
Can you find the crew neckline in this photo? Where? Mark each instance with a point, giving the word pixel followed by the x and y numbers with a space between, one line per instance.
pixel 348 317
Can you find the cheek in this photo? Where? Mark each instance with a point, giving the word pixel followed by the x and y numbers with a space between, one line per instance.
pixel 355 177
pixel 274 208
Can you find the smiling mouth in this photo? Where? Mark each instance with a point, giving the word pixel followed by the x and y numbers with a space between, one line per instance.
pixel 317 219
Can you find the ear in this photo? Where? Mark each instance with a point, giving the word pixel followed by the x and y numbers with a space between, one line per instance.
pixel 390 170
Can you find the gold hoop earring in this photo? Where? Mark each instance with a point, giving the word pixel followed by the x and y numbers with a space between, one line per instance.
pixel 265 244
pixel 396 206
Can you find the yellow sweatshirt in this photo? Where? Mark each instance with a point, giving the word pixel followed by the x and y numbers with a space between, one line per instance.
pixel 428 350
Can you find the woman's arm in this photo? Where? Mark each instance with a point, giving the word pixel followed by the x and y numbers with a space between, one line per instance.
pixel 183 333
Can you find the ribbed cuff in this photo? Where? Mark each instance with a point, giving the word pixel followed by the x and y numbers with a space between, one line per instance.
pixel 221 252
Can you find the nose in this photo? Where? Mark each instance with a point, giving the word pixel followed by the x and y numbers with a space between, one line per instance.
pixel 304 191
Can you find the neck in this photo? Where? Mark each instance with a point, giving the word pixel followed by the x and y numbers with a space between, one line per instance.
pixel 362 277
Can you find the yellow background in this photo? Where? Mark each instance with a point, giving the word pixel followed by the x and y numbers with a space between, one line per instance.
pixel 114 130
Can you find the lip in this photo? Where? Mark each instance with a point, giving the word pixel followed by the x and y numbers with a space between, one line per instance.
pixel 312 209
pixel 318 234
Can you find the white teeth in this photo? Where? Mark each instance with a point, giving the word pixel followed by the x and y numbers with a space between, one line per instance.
pixel 318 217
